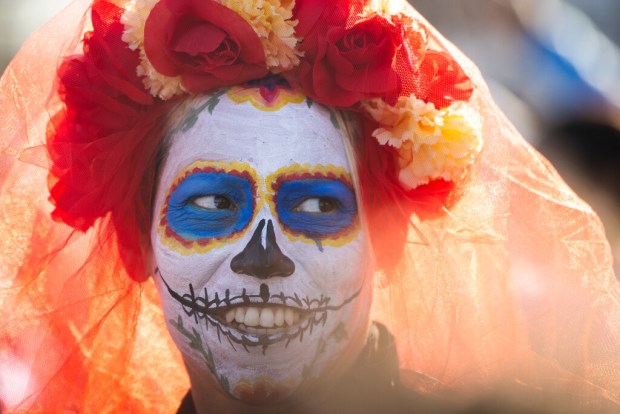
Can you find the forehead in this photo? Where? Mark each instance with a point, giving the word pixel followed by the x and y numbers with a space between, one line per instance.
pixel 294 134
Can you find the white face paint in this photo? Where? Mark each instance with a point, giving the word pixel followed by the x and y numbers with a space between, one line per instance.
pixel 263 265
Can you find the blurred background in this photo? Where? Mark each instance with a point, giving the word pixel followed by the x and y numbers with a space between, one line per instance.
pixel 552 65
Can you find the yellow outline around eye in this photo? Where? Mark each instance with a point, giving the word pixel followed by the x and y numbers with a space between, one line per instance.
pixel 184 247
pixel 302 170
pixel 241 94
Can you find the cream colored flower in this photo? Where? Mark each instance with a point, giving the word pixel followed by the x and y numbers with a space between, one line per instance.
pixel 386 7
pixel 134 19
pixel 409 120
pixel 432 143
pixel 162 86
pixel 272 22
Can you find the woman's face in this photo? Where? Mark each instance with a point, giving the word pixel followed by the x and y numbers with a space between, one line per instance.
pixel 262 262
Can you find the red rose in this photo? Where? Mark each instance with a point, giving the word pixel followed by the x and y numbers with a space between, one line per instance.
pixel 344 64
pixel 205 43
pixel 442 80
pixel 314 16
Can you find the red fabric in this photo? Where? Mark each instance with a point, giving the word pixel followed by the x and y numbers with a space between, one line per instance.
pixel 442 80
pixel 388 206
pixel 99 88
pixel 104 137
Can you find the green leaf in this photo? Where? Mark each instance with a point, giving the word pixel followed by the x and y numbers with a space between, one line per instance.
pixel 332 117
pixel 189 122
pixel 225 383
pixel 212 103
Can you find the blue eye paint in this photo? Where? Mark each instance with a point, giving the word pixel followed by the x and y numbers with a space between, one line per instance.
pixel 316 225
pixel 193 222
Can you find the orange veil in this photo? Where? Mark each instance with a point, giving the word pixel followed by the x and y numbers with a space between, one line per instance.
pixel 507 286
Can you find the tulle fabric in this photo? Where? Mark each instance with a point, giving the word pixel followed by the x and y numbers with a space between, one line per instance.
pixel 506 283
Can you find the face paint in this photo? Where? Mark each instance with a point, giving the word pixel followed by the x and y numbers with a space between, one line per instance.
pixel 315 204
pixel 243 200
pixel 210 203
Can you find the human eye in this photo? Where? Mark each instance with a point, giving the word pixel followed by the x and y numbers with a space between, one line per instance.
pixel 209 205
pixel 317 205
pixel 213 202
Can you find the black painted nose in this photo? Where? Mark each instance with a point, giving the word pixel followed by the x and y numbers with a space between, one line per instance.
pixel 262 262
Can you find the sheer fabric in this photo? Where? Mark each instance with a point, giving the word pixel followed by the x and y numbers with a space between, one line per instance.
pixel 506 284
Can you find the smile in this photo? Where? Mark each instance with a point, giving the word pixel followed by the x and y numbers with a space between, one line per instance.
pixel 262 325
pixel 256 320
pixel 266 320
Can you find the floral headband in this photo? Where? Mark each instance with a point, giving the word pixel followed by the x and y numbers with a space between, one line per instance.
pixel 341 54
pixel 348 54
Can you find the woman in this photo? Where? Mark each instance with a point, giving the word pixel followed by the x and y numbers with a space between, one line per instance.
pixel 488 272
pixel 262 268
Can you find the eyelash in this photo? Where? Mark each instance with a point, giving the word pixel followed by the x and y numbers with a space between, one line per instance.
pixel 229 195
pixel 233 205
pixel 336 204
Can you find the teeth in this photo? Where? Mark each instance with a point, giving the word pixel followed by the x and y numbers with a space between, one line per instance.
pixel 289 316
pixel 251 317
pixel 239 315
pixel 258 320
pixel 266 318
pixel 230 315
pixel 279 317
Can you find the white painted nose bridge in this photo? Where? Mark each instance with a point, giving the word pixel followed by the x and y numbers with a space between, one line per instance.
pixel 265 214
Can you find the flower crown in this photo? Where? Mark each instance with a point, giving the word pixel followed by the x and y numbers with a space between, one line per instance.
pixel 344 54
pixel 348 54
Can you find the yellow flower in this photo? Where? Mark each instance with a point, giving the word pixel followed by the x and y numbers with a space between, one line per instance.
pixel 271 20
pixel 432 143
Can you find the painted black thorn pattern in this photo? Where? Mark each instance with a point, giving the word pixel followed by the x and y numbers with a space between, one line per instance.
pixel 264 292
pixel 202 308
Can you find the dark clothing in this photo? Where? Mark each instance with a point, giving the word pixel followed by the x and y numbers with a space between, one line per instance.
pixel 371 386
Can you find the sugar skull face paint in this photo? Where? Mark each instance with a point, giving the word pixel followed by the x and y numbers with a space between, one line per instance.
pixel 262 264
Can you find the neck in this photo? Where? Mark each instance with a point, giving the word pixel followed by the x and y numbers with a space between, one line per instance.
pixel 313 398
pixel 208 398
